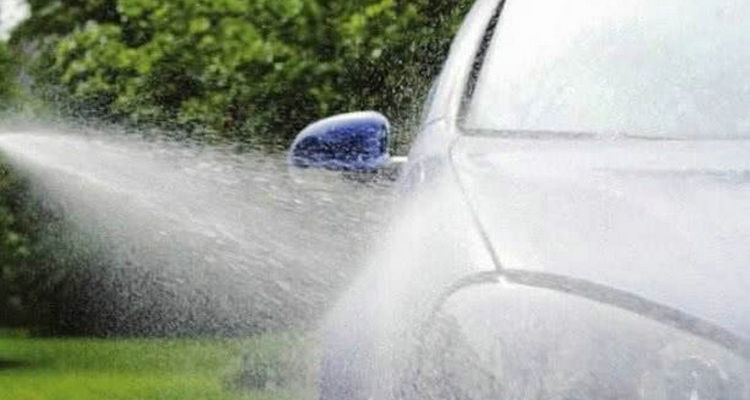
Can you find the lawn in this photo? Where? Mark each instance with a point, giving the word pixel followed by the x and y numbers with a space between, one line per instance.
pixel 147 369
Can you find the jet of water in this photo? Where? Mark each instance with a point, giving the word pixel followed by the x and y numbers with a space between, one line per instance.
pixel 202 239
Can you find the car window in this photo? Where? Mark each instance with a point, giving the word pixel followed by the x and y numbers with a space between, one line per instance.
pixel 667 69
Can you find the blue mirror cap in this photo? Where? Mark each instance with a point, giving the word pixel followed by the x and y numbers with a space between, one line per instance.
pixel 348 142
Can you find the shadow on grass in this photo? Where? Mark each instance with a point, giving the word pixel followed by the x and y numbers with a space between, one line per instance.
pixel 10 364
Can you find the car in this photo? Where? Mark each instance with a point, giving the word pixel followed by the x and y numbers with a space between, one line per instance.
pixel 575 221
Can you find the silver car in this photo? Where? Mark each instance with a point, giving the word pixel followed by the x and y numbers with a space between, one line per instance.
pixel 576 223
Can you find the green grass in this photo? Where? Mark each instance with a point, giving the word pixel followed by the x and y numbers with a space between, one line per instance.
pixel 133 369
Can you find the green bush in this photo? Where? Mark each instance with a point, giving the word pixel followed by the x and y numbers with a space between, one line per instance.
pixel 237 70
pixel 8 74
pixel 14 252
pixel 47 268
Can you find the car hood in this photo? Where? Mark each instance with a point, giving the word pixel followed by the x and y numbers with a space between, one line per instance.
pixel 668 221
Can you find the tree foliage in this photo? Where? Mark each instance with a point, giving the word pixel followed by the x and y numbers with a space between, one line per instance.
pixel 8 74
pixel 52 276
pixel 237 69
pixel 14 251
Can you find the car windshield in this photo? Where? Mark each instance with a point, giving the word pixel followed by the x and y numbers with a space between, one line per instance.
pixel 662 69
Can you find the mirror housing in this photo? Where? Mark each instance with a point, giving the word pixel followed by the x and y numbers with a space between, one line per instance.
pixel 347 142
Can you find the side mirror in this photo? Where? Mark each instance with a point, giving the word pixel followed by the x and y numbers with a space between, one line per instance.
pixel 348 142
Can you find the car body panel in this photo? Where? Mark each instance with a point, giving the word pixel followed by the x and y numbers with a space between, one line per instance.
pixel 664 220
pixel 498 339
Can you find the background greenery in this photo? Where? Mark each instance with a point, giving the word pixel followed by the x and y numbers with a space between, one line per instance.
pixel 9 88
pixel 235 70
pixel 217 71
